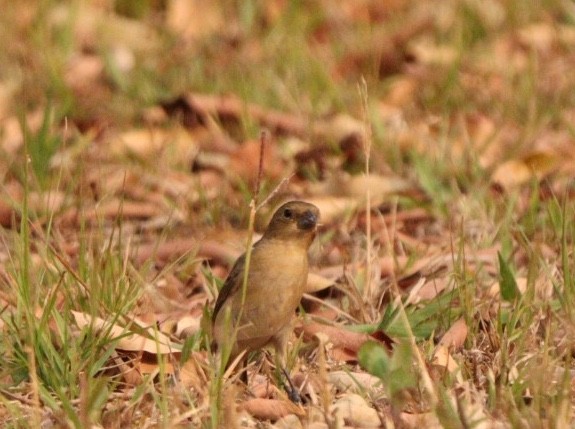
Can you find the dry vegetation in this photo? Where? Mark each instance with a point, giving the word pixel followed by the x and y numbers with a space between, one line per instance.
pixel 436 137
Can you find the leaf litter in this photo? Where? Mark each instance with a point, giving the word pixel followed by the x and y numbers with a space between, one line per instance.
pixel 470 191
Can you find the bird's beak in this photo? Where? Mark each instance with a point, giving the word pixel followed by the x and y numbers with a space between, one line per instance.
pixel 308 220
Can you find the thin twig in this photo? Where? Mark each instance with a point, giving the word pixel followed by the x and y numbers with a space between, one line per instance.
pixel 264 138
pixel 20 398
pixel 35 385
pixel 278 188
pixel 368 290
pixel 253 208
pixel 84 405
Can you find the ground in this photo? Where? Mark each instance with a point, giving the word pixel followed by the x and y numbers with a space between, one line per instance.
pixel 144 145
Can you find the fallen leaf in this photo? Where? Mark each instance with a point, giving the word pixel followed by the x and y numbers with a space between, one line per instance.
pixel 401 92
pixel 426 51
pixel 316 282
pixel 495 290
pixel 244 162
pixel 355 411
pixel 148 364
pixel 356 187
pixel 7 93
pixel 432 288
pixel 260 387
pixel 333 208
pixel 442 358
pixel 271 409
pixel 346 343
pixel 340 127
pixel 174 249
pixel 11 130
pixel 11 198
pixel 82 70
pixel 191 373
pixel 149 142
pixel 187 326
pixel 48 202
pixel 341 354
pixel 206 105
pixel 353 381
pixel 455 335
pixel 154 342
pixel 420 420
pixel 291 421
pixel 128 370
pixel 386 221
pixel 539 36
pixel 194 19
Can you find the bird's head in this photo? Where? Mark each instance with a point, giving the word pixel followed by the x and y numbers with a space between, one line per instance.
pixel 295 220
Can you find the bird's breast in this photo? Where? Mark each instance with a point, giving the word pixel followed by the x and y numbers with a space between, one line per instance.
pixel 275 286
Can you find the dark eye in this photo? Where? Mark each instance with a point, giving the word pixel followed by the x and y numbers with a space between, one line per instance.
pixel 288 213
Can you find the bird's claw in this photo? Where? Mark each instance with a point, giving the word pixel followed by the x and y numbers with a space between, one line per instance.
pixel 292 392
pixel 293 395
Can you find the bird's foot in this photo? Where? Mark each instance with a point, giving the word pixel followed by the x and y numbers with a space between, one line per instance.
pixel 293 395
pixel 292 392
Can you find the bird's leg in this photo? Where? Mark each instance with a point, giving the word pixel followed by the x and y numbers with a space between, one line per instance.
pixel 290 389
pixel 280 343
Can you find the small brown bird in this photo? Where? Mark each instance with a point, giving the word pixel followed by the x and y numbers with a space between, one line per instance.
pixel 277 276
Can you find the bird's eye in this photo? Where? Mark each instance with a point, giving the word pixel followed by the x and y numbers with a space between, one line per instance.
pixel 288 213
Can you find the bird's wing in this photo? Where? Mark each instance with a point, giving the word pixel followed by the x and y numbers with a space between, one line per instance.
pixel 231 285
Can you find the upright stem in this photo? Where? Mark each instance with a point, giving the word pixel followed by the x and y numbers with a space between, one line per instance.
pixel 368 294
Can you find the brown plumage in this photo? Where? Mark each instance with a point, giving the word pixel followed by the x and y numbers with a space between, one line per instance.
pixel 276 280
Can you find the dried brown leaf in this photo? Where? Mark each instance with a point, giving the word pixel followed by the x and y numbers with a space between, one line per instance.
pixel 271 409
pixel 442 358
pixel 346 343
pixel 178 247
pixel 188 326
pixel 355 411
pixel 316 282
pixel 194 19
pixel 353 381
pixel 539 36
pixel 244 162
pixel 149 142
pixel 155 342
pixel 12 197
pixel 356 187
pixel 455 335
pixel 333 208
pixel 128 370
pixel 291 421
pixel 421 420
pixel 147 365
pixel 206 105
pixel 83 70
pixel 191 373
pixel 261 387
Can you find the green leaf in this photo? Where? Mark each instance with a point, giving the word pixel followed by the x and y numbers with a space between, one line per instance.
pixel 423 319
pixel 374 358
pixel 402 375
pixel 42 145
pixel 396 372
pixel 507 284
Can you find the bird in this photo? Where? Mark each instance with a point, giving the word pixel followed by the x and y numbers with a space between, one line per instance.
pixel 260 316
